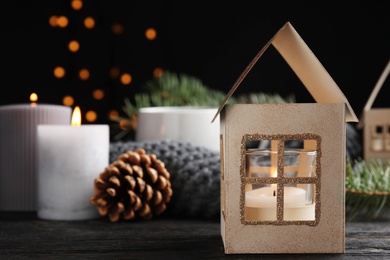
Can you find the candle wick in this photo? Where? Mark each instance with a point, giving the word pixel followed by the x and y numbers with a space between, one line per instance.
pixel 274 193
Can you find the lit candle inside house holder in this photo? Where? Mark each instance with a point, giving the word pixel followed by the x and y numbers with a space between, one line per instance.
pixel 266 197
pixel 18 123
pixel 69 159
pixel 261 204
pixel 261 201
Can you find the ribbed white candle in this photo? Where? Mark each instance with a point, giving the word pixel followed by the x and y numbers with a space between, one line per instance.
pixel 18 128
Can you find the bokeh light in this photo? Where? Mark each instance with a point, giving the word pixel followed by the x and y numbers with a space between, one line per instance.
pixel 89 22
pixel 68 101
pixel 114 72
pixel 98 94
pixel 113 114
pixel 126 79
pixel 53 20
pixel 91 116
pixel 73 46
pixel 150 34
pixel 158 72
pixel 62 21
pixel 117 28
pixel 76 4
pixel 59 72
pixel 84 74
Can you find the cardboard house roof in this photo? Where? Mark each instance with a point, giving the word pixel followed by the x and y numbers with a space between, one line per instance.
pixel 305 65
pixel 374 93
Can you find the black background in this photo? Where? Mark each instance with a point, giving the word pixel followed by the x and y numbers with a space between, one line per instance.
pixel 209 40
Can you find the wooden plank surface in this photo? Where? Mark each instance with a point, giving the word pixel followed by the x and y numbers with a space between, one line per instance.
pixel 23 236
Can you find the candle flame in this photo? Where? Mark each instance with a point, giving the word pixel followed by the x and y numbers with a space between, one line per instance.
pixel 33 99
pixel 76 116
pixel 274 174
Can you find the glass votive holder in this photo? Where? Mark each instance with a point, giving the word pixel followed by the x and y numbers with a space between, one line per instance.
pixel 298 196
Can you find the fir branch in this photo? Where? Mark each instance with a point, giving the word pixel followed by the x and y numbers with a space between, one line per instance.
pixel 261 98
pixel 367 189
pixel 172 89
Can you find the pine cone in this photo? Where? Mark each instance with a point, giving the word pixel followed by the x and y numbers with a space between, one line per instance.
pixel 136 185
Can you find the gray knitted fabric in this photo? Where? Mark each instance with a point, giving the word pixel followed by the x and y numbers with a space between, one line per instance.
pixel 195 172
pixel 195 175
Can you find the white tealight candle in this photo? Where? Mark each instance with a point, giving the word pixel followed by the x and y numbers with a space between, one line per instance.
pixel 69 159
pixel 261 204
pixel 18 123
pixel 266 197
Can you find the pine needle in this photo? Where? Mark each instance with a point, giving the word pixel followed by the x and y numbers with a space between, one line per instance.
pixel 367 189
pixel 173 89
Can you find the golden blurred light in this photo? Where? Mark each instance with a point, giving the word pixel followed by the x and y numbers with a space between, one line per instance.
pixel 98 94
pixel 150 34
pixel 74 46
pixel 76 4
pixel 117 28
pixel 84 74
pixel 126 79
pixel 114 72
pixel 125 124
pixel 33 97
pixel 62 21
pixel 68 101
pixel 91 116
pixel 53 20
pixel 113 114
pixel 89 22
pixel 59 72
pixel 158 72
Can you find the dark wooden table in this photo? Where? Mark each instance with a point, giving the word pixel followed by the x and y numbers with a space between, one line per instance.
pixel 24 236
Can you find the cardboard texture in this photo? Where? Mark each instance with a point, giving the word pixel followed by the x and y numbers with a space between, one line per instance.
pixel 375 123
pixel 324 122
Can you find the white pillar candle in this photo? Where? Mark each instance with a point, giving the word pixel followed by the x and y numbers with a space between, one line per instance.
pixel 183 124
pixel 69 159
pixel 18 123
pixel 261 204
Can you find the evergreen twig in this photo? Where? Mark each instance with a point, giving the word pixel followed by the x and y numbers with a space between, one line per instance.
pixel 367 189
pixel 173 89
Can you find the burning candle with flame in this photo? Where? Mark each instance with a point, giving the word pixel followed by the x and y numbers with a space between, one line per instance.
pixel 33 99
pixel 18 123
pixel 69 159
pixel 76 116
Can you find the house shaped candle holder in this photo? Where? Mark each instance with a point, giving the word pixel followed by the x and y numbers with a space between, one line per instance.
pixel 280 199
pixel 375 123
